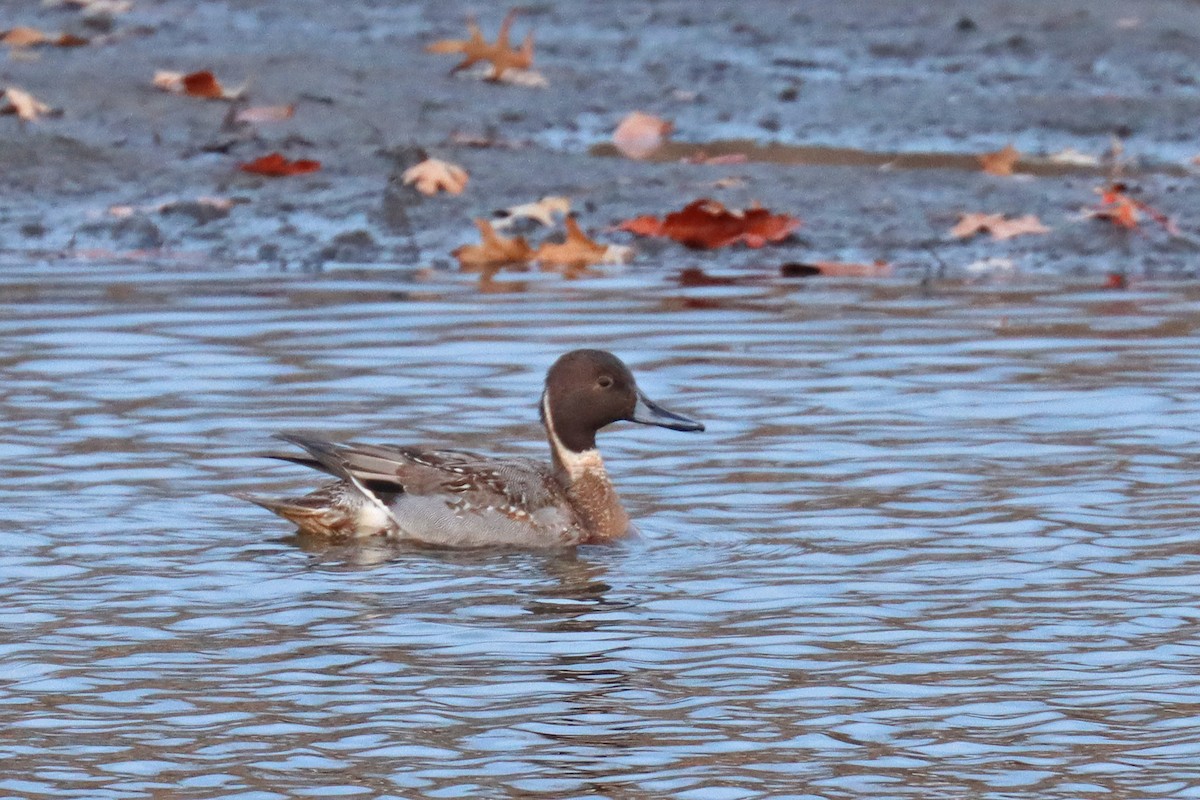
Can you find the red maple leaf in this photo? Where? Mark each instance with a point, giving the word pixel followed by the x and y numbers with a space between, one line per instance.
pixel 276 166
pixel 707 224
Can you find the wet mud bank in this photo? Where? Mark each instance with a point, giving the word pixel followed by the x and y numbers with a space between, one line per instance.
pixel 125 169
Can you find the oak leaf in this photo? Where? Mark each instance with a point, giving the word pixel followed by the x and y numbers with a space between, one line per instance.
pixel 706 223
pixel 201 84
pixel 640 134
pixel 275 165
pixel 493 251
pixel 476 49
pixel 580 251
pixel 1000 162
pixel 23 104
pixel 997 225
pixel 434 175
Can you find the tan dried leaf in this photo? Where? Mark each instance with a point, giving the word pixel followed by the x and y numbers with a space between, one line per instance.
pixel 434 175
pixel 493 251
pixel 1000 162
pixel 475 49
pixel 996 224
pixel 23 37
pixel 640 134
pixel 580 251
pixel 23 104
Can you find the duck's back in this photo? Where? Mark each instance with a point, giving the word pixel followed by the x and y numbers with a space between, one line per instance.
pixel 456 498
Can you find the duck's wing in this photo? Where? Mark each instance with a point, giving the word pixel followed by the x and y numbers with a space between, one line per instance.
pixel 389 469
pixel 451 497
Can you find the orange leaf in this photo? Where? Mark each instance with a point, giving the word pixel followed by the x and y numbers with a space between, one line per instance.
pixel 1124 211
pixel 196 84
pixel 493 251
pixel 475 49
pixel 203 84
pixel 1000 162
pixel 276 166
pixel 640 134
pixel 580 251
pixel 707 224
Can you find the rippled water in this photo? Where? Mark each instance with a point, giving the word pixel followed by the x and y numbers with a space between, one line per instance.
pixel 934 544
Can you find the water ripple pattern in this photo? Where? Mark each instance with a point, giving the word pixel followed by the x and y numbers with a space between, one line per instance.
pixel 935 544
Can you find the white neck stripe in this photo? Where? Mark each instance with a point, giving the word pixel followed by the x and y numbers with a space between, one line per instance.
pixel 576 464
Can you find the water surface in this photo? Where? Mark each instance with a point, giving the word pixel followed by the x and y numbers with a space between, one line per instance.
pixel 935 543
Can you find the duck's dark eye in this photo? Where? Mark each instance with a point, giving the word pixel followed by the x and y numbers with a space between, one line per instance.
pixel 604 381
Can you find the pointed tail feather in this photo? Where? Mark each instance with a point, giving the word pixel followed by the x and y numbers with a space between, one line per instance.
pixel 330 459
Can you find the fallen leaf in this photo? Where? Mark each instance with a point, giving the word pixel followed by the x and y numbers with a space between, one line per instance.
pixel 276 166
pixel 542 211
pixel 23 37
pixel 836 269
pixel 580 251
pixel 493 250
pixel 1115 280
pixel 23 104
pixel 997 225
pixel 32 37
pixel 1000 162
pixel 1119 208
pixel 259 114
pixel 434 175
pixel 640 134
pixel 475 49
pixel 196 84
pixel 706 223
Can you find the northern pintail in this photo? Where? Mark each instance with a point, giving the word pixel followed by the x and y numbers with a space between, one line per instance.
pixel 455 498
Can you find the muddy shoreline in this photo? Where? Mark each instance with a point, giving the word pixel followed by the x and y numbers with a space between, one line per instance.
pixel 950 80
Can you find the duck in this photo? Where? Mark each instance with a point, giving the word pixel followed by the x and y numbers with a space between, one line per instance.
pixel 462 499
